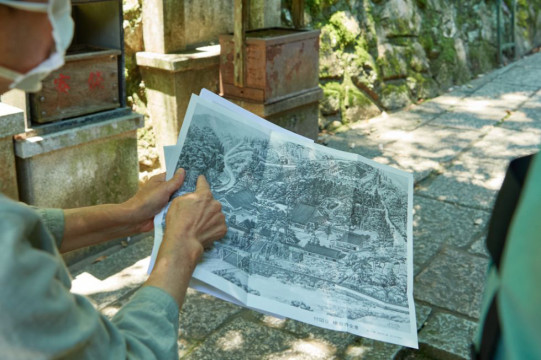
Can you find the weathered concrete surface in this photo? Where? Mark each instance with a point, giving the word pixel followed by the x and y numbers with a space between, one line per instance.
pixel 92 164
pixel 458 171
pixel 110 154
pixel 453 280
pixel 171 26
pixel 455 225
pixel 11 123
pixel 447 336
pixel 170 81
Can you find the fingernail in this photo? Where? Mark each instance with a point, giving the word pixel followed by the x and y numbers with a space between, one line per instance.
pixel 181 171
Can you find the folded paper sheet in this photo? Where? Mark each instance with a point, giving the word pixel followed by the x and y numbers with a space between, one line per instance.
pixel 314 234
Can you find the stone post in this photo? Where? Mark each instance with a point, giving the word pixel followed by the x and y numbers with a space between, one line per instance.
pixel 11 123
pixel 170 80
pixel 96 164
pixel 182 56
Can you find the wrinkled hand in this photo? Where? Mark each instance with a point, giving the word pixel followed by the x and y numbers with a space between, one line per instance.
pixel 151 198
pixel 194 221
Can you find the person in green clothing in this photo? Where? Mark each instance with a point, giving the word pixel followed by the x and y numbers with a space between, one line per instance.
pixel 39 317
pixel 510 325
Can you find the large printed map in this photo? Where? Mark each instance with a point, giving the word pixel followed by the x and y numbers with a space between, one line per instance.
pixel 314 234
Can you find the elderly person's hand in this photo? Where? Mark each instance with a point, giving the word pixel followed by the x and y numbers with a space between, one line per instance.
pixel 193 222
pixel 94 224
pixel 151 198
pixel 196 218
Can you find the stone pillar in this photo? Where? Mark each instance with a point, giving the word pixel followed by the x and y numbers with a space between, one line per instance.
pixel 92 164
pixel 176 25
pixel 297 113
pixel 11 123
pixel 170 80
pixel 181 56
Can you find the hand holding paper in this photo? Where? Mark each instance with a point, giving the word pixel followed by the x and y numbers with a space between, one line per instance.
pixel 194 222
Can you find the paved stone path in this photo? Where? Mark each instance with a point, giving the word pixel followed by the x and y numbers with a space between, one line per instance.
pixel 457 146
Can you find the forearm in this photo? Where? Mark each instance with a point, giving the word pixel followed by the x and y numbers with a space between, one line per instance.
pixel 92 225
pixel 174 267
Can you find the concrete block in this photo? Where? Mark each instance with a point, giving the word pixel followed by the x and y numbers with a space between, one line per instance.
pixel 11 123
pixel 454 280
pixel 518 76
pixel 196 325
pixel 264 14
pixel 438 223
pixel 170 80
pixel 171 26
pixel 301 120
pixel 447 337
pixel 501 145
pixel 297 113
pixel 462 191
pixel 431 142
pixel 465 118
pixel 337 340
pixel 243 339
pixel 504 95
pixel 87 165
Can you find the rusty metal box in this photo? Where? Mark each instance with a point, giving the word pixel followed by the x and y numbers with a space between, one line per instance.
pixel 87 83
pixel 279 62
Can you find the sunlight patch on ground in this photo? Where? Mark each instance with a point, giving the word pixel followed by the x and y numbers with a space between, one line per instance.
pixel 357 352
pixel 306 349
pixel 274 322
pixel 314 348
pixel 87 284
pixel 232 340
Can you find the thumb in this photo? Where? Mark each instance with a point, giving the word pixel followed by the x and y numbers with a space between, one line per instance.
pixel 177 180
pixel 202 184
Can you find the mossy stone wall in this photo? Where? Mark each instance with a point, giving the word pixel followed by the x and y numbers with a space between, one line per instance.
pixel 382 55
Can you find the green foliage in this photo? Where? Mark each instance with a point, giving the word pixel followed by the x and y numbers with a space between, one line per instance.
pixel 390 66
pixel 344 37
pixel 523 17
pixel 482 57
pixel 422 4
pixel 389 89
pixel 333 88
pixel 354 97
pixel 362 57
pixel 427 37
pixel 448 52
pixel 422 86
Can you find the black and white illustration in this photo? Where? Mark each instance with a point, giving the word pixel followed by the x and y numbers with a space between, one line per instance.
pixel 315 234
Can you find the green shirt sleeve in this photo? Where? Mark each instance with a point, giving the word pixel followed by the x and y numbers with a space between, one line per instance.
pixel 147 320
pixel 41 319
pixel 53 219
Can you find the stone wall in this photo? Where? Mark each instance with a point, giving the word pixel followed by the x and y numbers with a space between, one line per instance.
pixel 382 55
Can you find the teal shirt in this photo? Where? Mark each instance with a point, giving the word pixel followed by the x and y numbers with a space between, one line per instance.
pixel 41 319
pixel 518 285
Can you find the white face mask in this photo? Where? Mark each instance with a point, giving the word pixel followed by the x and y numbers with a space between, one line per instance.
pixel 59 12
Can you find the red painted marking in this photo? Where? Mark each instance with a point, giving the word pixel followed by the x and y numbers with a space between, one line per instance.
pixel 61 83
pixel 95 80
